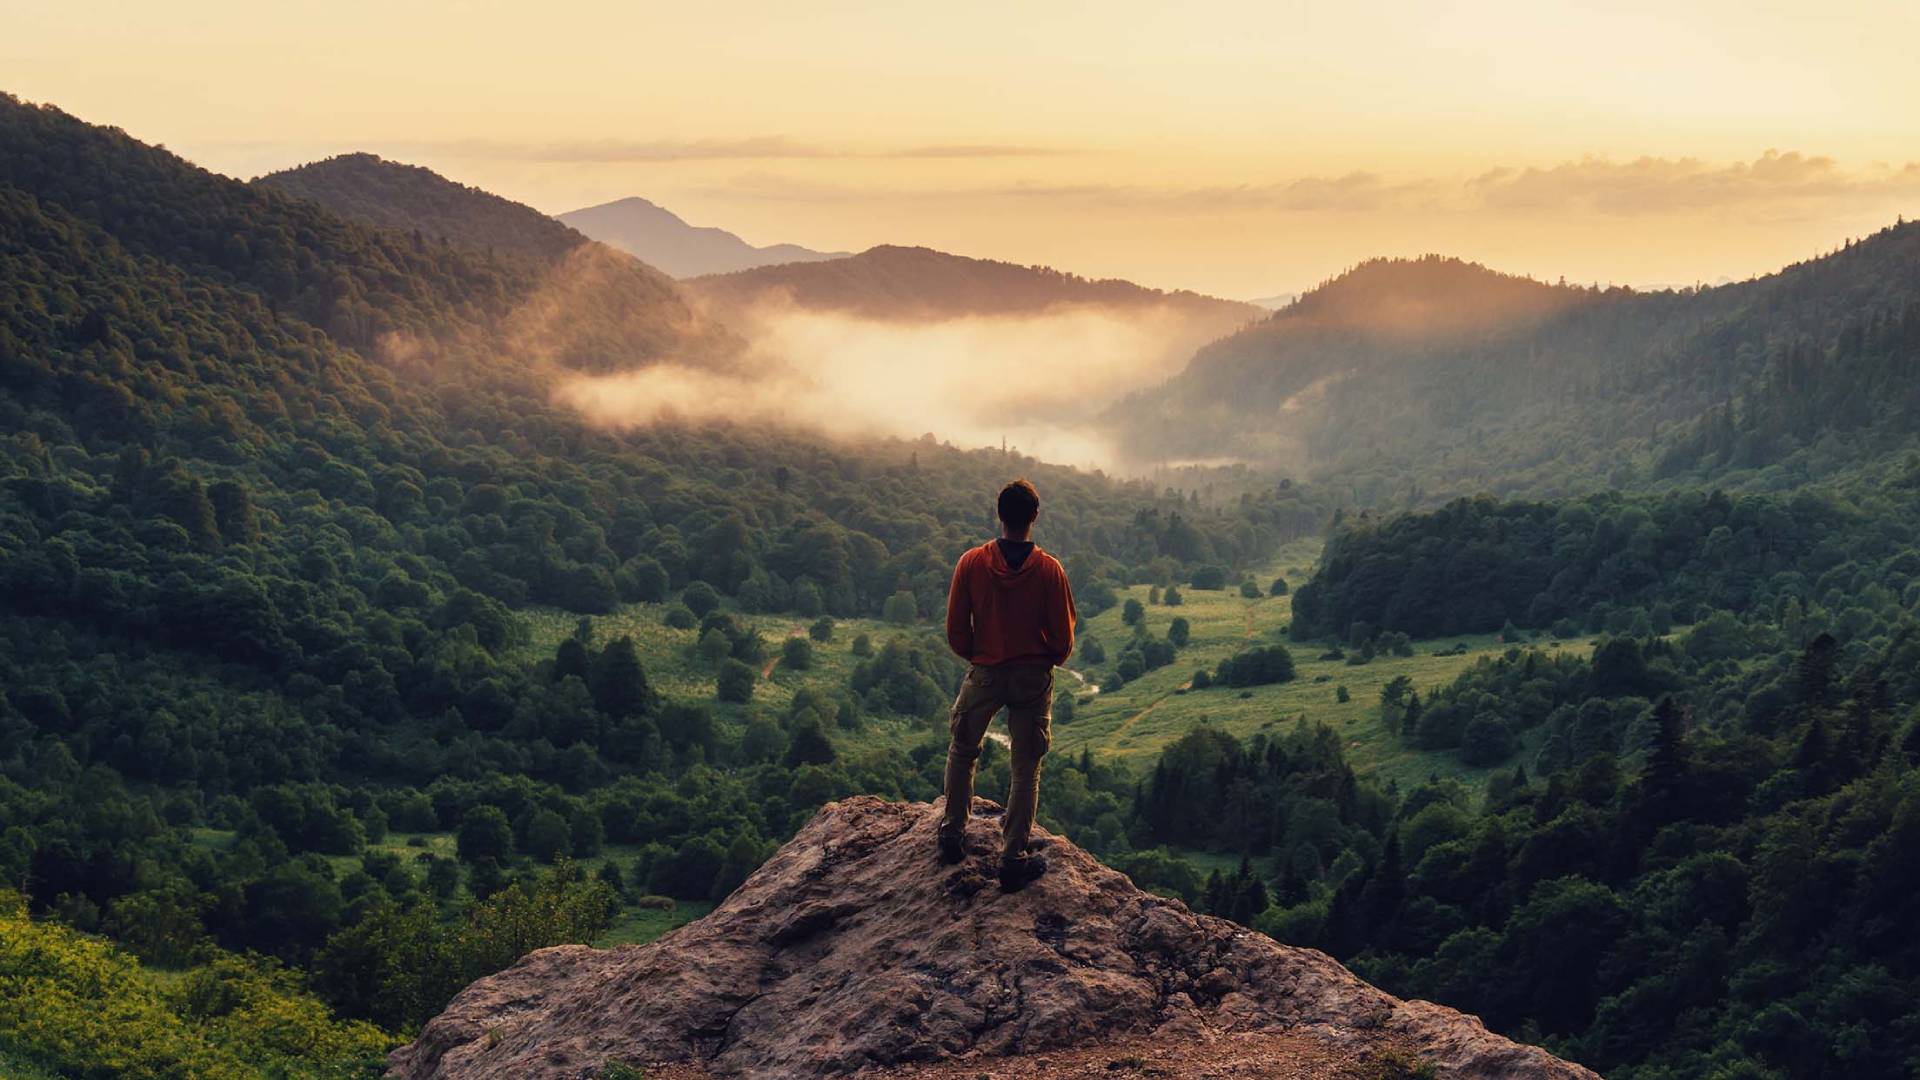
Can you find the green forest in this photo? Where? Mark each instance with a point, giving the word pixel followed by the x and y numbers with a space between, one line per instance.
pixel 340 667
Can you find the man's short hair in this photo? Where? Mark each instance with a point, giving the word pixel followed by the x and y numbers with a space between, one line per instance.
pixel 1019 504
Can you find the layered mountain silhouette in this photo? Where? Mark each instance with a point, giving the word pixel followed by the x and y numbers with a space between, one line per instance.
pixel 1401 376
pixel 891 282
pixel 853 950
pixel 1274 302
pixel 660 237
pixel 587 306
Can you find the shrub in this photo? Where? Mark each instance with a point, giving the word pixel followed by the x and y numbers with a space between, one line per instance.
pixel 1210 577
pixel 735 681
pixel 1257 666
pixel 700 598
pixel 797 653
pixel 78 1001
pixel 900 608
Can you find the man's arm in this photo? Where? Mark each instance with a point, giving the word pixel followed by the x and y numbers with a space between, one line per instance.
pixel 1060 617
pixel 960 613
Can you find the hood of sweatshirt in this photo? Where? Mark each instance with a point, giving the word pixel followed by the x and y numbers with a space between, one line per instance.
pixel 1005 575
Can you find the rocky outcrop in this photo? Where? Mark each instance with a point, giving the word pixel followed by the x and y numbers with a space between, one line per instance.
pixel 854 949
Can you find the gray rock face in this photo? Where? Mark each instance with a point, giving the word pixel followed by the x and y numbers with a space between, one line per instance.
pixel 854 948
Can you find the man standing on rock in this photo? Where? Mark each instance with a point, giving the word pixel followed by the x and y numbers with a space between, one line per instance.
pixel 1010 616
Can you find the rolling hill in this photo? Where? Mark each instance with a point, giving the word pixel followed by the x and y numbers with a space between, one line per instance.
pixel 409 198
pixel 659 236
pixel 1412 379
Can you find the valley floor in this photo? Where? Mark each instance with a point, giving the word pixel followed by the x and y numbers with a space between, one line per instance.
pixel 1133 723
pixel 1137 721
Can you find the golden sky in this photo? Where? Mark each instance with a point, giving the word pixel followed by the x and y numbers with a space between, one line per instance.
pixel 1240 149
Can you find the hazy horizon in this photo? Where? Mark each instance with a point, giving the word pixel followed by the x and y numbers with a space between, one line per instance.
pixel 1238 150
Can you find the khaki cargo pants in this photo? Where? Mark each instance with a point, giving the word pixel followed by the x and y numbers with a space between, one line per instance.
pixel 1026 692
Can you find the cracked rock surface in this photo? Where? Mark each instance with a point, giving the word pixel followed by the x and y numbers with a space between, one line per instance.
pixel 855 949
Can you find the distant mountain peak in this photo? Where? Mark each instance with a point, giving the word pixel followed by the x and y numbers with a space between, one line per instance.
pixel 662 238
pixel 1429 294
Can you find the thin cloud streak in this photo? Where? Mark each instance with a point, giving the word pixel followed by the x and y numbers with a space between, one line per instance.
pixel 764 148
pixel 1639 187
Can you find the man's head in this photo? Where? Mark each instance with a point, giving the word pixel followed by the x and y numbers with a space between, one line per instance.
pixel 1019 505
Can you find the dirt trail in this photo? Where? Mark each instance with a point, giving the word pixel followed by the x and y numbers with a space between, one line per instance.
pixel 1127 724
pixel 1086 686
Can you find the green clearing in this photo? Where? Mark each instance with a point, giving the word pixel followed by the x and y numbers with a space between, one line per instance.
pixel 637 926
pixel 678 673
pixel 1136 721
pixel 1133 723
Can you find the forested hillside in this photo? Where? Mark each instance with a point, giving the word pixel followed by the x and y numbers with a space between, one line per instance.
pixel 263 575
pixel 1408 380
pixel 406 198
pixel 1694 852
pixel 583 306
pixel 394 296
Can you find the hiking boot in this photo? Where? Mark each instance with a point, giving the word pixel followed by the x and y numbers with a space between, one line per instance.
pixel 953 847
pixel 1017 874
pixel 1038 843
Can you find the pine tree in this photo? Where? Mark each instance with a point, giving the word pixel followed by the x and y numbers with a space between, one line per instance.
pixel 1813 670
pixel 1661 794
pixel 571 659
pixel 1386 889
pixel 619 683
pixel 809 745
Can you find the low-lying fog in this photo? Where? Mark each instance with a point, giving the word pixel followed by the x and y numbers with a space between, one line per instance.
pixel 1037 381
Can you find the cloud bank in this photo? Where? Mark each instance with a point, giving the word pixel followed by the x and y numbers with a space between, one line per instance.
pixel 1035 381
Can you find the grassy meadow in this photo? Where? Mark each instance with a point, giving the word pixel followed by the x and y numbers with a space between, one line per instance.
pixel 1136 721
pixel 1132 723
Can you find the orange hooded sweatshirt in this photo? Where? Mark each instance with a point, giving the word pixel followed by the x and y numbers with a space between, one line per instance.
pixel 997 614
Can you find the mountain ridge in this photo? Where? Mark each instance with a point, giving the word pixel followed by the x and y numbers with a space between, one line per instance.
pixel 588 306
pixel 662 238
pixel 1419 379
pixel 894 281
pixel 397 195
